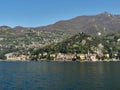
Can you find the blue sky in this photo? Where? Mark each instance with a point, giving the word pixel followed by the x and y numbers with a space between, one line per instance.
pixel 32 13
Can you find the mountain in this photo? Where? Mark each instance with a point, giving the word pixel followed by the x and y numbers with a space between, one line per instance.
pixel 95 25
pixel 5 28
pixel 101 24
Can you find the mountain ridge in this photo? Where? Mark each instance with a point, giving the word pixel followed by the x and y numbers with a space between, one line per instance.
pixel 104 23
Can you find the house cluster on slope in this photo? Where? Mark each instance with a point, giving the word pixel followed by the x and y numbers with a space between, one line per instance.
pixel 61 57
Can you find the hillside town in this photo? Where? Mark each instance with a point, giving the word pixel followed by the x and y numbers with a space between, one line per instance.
pixel 63 57
pixel 80 47
pixel 22 41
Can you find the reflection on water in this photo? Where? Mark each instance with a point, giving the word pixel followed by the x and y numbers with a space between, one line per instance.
pixel 59 76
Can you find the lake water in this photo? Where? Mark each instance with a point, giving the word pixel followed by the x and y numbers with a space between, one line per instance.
pixel 59 76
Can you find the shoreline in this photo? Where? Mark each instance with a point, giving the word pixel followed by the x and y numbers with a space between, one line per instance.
pixel 59 61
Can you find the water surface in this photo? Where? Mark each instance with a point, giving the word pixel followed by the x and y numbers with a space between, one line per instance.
pixel 59 76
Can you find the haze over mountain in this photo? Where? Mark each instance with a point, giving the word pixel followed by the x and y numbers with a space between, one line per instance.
pixel 100 24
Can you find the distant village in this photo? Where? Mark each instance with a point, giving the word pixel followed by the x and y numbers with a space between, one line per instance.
pixel 62 57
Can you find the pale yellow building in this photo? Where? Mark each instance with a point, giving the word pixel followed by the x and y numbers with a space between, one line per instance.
pixel 15 57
